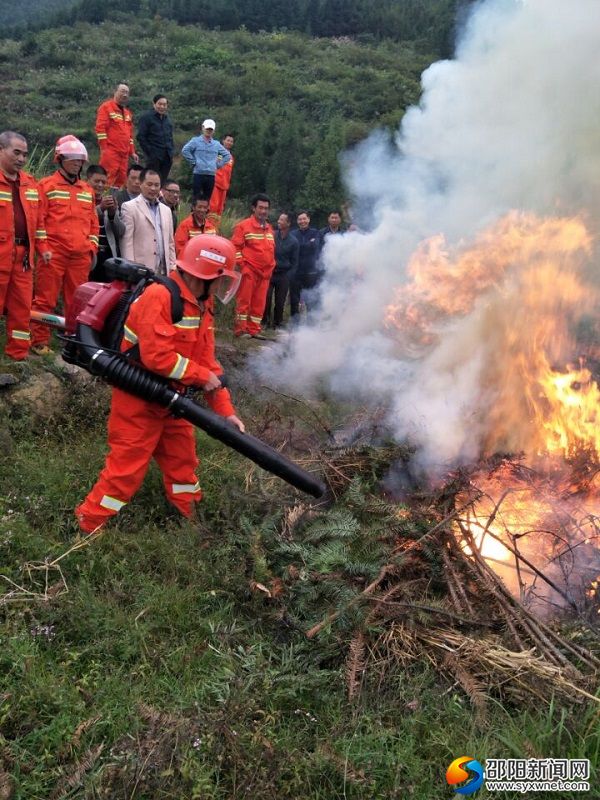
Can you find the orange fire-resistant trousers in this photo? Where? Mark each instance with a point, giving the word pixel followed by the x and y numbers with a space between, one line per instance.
pixel 217 201
pixel 251 299
pixel 16 290
pixel 66 272
pixel 116 165
pixel 137 432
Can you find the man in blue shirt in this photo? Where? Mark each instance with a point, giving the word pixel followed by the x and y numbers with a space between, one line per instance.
pixel 203 152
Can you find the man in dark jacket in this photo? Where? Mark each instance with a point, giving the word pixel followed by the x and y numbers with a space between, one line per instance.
pixel 155 136
pixel 287 251
pixel 308 274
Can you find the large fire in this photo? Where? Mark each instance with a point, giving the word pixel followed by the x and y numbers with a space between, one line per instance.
pixel 524 285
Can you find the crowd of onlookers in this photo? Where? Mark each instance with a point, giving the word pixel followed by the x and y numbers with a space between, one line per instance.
pixel 58 232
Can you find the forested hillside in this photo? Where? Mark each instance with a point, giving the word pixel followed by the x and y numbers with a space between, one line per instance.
pixel 29 12
pixel 293 101
pixel 432 21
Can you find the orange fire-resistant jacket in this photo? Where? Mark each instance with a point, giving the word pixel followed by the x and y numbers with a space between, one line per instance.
pixel 187 229
pixel 223 175
pixel 29 193
pixel 254 245
pixel 68 214
pixel 114 128
pixel 183 351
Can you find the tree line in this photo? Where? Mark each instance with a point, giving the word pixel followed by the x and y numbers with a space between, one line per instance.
pixel 432 21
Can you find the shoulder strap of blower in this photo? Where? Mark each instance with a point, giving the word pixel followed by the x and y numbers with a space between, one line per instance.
pixel 114 325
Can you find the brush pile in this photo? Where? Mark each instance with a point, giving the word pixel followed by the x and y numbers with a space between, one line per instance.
pixel 407 582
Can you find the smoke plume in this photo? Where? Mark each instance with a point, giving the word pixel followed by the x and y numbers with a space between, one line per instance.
pixel 506 137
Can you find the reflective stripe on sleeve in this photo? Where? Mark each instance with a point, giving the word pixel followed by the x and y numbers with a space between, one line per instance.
pixel 112 503
pixel 24 335
pixel 41 234
pixel 179 369
pixel 129 335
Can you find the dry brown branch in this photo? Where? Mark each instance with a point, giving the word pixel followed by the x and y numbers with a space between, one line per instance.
pixel 74 779
pixel 355 665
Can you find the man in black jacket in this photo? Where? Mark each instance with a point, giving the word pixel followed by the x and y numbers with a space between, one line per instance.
pixel 287 250
pixel 155 136
pixel 308 274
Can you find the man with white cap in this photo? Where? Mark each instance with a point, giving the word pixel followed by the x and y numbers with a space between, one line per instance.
pixel 206 155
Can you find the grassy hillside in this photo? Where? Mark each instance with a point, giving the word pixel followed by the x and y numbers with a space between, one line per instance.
pixel 168 659
pixel 293 101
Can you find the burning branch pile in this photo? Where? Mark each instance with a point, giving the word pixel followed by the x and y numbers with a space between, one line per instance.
pixel 441 592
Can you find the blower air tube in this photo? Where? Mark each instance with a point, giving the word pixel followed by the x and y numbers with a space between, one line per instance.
pixel 119 372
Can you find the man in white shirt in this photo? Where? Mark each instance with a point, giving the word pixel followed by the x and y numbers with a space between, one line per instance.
pixel 148 237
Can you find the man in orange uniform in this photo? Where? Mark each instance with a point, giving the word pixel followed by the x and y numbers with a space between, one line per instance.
pixel 183 352
pixel 68 213
pixel 193 225
pixel 20 229
pixel 222 183
pixel 255 254
pixel 114 129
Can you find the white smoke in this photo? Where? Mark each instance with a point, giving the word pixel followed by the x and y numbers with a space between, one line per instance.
pixel 513 122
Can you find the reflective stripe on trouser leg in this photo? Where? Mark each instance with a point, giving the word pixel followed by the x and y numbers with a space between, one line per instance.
pixel 258 302
pixel 16 291
pixel 134 430
pixel 242 302
pixel 176 456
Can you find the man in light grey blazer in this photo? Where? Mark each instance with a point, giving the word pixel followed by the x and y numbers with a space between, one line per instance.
pixel 148 237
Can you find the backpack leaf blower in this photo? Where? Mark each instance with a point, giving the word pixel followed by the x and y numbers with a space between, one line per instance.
pixel 93 332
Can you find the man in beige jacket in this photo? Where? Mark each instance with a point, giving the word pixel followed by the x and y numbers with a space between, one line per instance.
pixel 148 237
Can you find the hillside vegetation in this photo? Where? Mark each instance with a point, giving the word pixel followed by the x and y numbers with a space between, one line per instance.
pixel 431 21
pixel 294 102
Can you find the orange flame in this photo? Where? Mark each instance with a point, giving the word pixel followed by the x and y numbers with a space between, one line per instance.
pixel 518 296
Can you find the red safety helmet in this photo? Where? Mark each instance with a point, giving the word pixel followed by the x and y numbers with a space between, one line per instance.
pixel 70 148
pixel 212 258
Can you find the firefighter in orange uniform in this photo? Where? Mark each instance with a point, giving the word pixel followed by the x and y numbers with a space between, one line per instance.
pixel 194 225
pixel 114 129
pixel 183 352
pixel 20 231
pixel 222 183
pixel 255 254
pixel 68 214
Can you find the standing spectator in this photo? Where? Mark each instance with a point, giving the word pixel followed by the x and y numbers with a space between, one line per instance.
pixel 20 229
pixel 155 137
pixel 71 224
pixel 111 227
pixel 222 183
pixel 132 185
pixel 203 152
pixel 286 262
pixel 148 237
pixel 194 225
pixel 334 225
pixel 255 257
pixel 169 195
pixel 114 129
pixel 307 275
